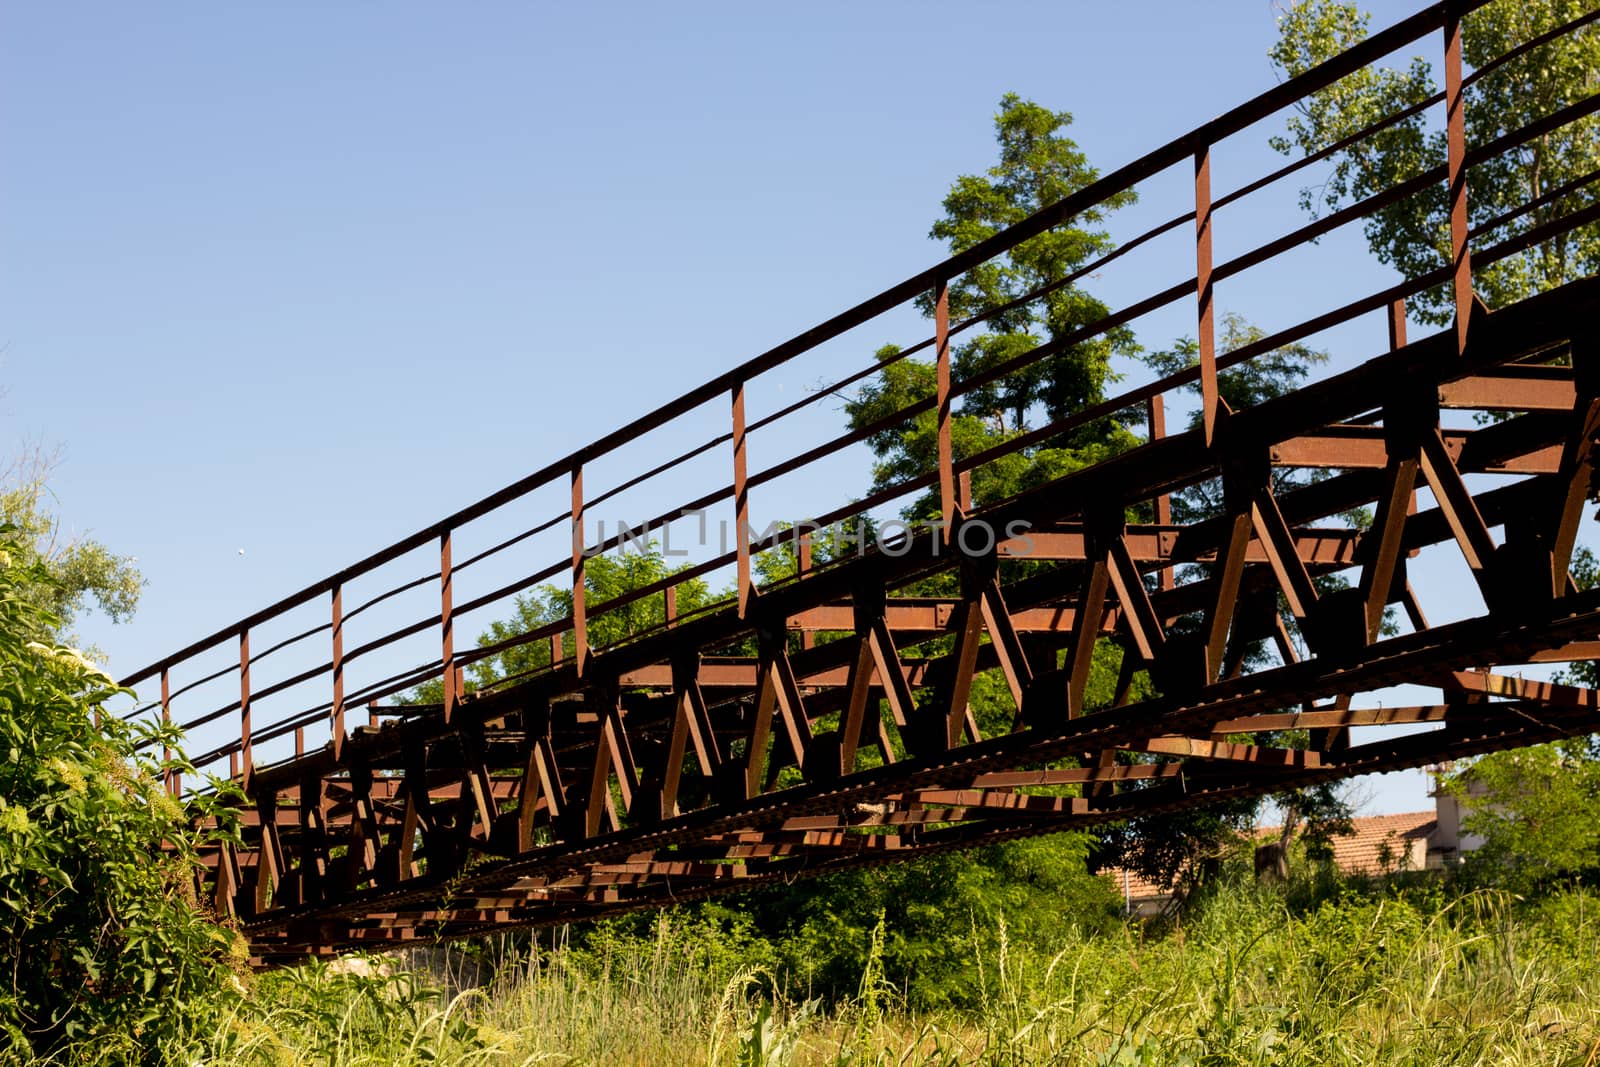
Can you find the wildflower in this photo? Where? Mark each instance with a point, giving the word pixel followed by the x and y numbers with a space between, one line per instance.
pixel 75 658
pixel 68 775
pixel 14 820
pixel 163 806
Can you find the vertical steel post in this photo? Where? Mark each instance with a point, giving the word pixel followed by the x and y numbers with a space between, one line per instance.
pixel 941 341
pixel 166 720
pixel 246 752
pixel 1397 325
pixel 741 501
pixel 1203 288
pixel 580 617
pixel 1456 147
pixel 447 640
pixel 669 604
pixel 1397 341
pixel 336 713
pixel 1156 413
pixel 802 568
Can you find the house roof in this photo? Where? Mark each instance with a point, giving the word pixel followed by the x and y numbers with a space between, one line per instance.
pixel 1379 843
pixel 1134 885
pixel 1379 836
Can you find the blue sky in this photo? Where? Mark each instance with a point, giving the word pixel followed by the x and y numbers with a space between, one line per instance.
pixel 300 278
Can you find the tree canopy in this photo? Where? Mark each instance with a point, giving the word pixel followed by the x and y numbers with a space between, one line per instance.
pixel 1413 235
pixel 1537 810
pixel 78 570
pixel 1038 165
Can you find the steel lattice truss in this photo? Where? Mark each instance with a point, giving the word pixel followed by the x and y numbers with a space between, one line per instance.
pixel 666 767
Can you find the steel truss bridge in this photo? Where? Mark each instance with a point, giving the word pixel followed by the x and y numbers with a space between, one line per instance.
pixel 821 721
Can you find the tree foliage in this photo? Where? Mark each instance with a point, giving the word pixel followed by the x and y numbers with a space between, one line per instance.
pixel 78 569
pixel 1537 810
pixel 104 941
pixel 1038 165
pixel 1413 235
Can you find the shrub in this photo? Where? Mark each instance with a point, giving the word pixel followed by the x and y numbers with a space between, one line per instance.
pixel 100 933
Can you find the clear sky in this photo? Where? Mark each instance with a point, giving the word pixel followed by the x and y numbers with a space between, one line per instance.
pixel 300 278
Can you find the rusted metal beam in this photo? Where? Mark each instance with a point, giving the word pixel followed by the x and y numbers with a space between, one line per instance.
pixel 447 640
pixel 246 750
pixel 1456 154
pixel 1086 628
pixel 741 503
pixel 1257 755
pixel 1515 388
pixel 1210 400
pixel 946 459
pixel 580 593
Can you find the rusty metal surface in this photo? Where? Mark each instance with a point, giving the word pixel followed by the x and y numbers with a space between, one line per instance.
pixel 821 721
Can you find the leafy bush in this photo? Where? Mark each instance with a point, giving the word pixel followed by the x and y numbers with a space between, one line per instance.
pixel 100 931
pixel 1537 809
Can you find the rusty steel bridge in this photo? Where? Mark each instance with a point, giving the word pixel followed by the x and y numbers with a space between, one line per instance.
pixel 821 720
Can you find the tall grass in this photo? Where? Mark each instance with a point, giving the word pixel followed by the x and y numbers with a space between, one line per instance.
pixel 1246 979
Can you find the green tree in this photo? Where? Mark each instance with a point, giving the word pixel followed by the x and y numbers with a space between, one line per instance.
pixel 1038 166
pixel 108 953
pixel 1027 297
pixel 1537 809
pixel 79 569
pixel 1413 235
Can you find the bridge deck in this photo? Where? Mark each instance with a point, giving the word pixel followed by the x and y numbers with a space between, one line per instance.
pixel 822 721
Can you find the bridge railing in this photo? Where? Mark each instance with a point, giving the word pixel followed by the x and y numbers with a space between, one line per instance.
pixel 707 428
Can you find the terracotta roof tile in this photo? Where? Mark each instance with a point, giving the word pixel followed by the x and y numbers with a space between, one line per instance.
pixel 1378 836
pixel 1362 852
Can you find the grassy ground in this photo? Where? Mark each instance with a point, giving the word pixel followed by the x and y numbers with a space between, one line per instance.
pixel 1408 978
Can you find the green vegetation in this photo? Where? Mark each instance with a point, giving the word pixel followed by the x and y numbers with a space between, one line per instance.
pixel 78 570
pixel 1537 810
pixel 1009 954
pixel 1413 235
pixel 1353 974
pixel 107 952
pixel 1038 165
